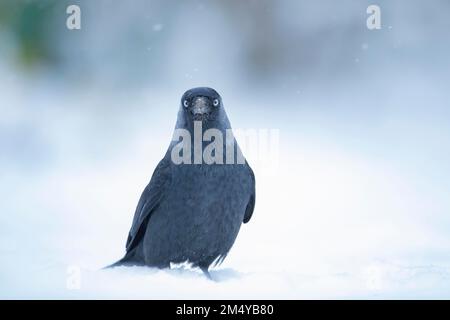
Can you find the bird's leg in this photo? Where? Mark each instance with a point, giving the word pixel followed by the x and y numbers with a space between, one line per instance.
pixel 206 272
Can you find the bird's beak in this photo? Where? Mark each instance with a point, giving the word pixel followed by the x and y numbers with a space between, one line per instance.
pixel 201 106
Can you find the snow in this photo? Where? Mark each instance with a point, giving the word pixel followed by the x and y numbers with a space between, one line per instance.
pixel 356 208
pixel 331 221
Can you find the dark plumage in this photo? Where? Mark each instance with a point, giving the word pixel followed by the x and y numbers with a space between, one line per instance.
pixel 192 212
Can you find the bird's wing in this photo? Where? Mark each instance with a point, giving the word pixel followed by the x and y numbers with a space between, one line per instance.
pixel 150 199
pixel 251 202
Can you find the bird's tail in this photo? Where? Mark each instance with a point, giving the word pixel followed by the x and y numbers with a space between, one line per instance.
pixel 121 262
pixel 130 259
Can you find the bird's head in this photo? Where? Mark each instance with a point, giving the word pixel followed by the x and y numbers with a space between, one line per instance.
pixel 201 104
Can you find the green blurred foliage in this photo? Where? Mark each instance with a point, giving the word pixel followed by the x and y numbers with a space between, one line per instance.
pixel 29 23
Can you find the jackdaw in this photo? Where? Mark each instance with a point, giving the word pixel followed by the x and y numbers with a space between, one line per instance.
pixel 199 194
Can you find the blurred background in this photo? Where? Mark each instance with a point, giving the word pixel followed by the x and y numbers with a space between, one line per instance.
pixel 357 206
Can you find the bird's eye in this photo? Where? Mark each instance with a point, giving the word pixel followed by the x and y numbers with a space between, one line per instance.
pixel 215 102
pixel 186 103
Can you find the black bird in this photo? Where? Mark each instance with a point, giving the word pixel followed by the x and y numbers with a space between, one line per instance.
pixel 192 212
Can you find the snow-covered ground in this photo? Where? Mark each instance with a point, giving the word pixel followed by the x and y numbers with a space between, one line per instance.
pixel 356 208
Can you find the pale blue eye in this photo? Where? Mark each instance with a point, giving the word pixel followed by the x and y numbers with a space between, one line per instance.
pixel 185 103
pixel 216 102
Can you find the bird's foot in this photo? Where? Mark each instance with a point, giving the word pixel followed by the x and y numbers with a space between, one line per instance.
pixel 206 273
